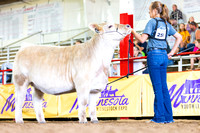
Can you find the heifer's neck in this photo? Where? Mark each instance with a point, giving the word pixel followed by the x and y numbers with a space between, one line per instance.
pixel 104 48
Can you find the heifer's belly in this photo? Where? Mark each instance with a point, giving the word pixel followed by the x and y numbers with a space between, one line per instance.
pixel 56 90
pixel 54 87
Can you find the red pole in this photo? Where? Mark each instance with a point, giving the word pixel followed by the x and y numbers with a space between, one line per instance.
pixel 124 44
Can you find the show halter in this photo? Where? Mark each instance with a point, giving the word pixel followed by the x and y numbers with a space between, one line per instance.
pixel 97 31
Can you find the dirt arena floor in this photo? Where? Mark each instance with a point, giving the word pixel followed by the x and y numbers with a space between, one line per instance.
pixel 108 126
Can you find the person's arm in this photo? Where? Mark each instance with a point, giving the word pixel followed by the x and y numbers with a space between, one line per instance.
pixel 142 38
pixel 180 14
pixel 177 42
pixel 171 15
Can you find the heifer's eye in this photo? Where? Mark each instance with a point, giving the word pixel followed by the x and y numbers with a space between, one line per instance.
pixel 110 26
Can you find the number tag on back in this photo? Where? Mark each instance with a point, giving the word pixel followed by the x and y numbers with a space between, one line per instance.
pixel 160 33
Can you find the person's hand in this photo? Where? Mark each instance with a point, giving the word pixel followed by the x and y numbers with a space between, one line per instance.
pixel 170 55
pixel 132 31
pixel 141 48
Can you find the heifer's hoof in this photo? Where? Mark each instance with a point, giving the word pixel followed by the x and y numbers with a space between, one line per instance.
pixel 42 122
pixel 94 121
pixel 83 122
pixel 19 121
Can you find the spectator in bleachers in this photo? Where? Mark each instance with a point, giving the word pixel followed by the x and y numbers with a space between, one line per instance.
pixel 187 27
pixel 185 37
pixel 137 65
pixel 5 66
pixel 141 46
pixel 176 13
pixel 78 42
pixel 137 52
pixel 193 27
pixel 192 60
pixel 114 70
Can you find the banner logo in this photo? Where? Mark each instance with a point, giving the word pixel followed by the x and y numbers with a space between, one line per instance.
pixel 188 95
pixel 28 104
pixel 108 101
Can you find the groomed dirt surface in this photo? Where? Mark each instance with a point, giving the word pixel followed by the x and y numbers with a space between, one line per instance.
pixel 108 126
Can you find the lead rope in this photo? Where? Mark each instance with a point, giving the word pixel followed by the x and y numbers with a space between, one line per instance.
pixel 127 76
pixel 129 40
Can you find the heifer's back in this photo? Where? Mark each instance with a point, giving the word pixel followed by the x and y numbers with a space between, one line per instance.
pixel 58 70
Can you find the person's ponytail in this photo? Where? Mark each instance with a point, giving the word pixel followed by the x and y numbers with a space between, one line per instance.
pixel 165 13
pixel 162 10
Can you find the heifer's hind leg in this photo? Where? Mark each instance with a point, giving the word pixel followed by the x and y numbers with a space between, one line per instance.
pixel 94 96
pixel 37 103
pixel 20 94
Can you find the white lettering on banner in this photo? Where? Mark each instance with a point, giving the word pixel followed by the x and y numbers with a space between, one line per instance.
pixel 160 33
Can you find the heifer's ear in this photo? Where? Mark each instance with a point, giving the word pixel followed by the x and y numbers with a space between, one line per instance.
pixel 95 27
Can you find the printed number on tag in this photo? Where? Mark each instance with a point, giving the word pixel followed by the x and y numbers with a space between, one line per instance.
pixel 160 33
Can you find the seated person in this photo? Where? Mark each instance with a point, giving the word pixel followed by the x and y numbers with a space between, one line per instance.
pixel 187 26
pixel 192 60
pixel 190 46
pixel 137 64
pixel 142 47
pixel 114 70
pixel 78 42
pixel 185 37
pixel 176 13
pixel 5 66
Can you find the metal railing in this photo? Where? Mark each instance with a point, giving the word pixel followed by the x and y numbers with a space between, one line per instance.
pixel 71 38
pixel 59 38
pixel 180 57
pixel 20 40
pixel 6 49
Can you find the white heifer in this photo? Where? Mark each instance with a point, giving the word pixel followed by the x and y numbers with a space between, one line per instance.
pixel 58 70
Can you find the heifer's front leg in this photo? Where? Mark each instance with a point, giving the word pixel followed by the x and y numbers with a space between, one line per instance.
pixel 94 96
pixel 37 103
pixel 82 103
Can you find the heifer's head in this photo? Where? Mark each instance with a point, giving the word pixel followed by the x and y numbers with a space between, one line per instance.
pixel 111 31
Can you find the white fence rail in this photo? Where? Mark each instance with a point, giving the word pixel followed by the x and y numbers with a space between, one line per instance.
pixel 180 64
